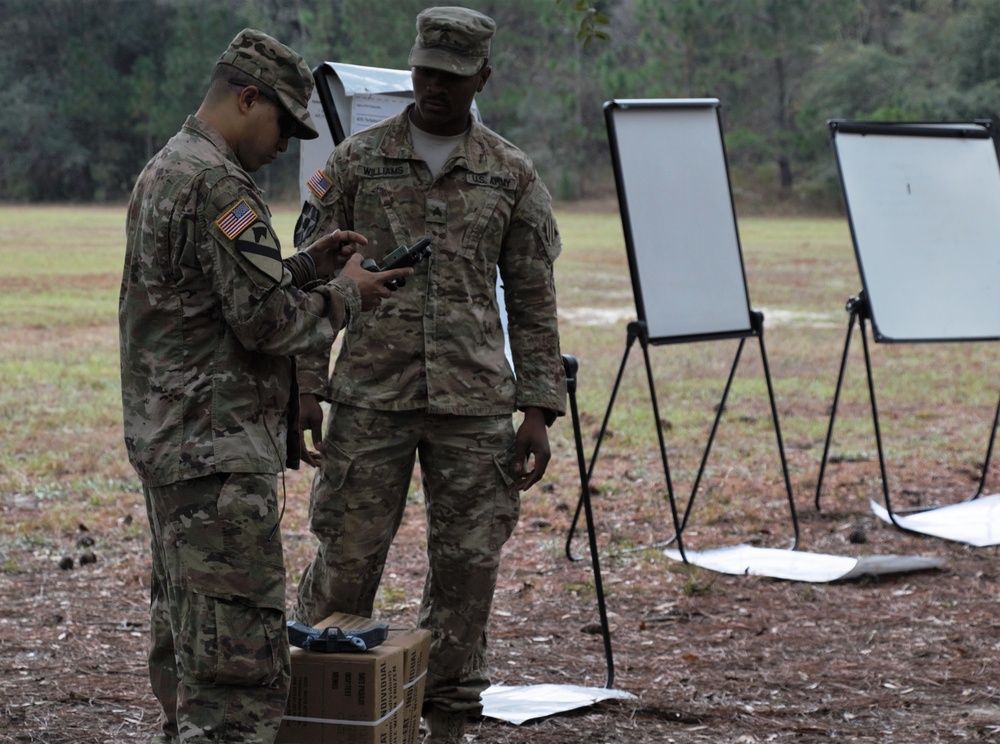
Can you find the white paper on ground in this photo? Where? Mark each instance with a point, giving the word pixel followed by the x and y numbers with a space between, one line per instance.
pixel 975 522
pixel 519 704
pixel 795 565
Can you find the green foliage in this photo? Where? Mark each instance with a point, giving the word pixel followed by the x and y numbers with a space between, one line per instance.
pixel 93 88
pixel 593 22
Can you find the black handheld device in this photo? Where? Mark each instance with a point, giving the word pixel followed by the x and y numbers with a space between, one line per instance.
pixel 333 640
pixel 400 258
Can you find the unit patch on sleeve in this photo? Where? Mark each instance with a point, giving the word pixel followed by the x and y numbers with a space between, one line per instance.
pixel 258 245
pixel 252 237
pixel 319 184
pixel 306 224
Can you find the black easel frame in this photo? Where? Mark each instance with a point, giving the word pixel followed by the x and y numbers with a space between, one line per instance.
pixel 669 154
pixel 860 307
pixel 636 331
pixel 860 312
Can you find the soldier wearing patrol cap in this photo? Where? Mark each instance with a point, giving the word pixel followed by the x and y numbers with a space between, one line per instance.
pixel 209 318
pixel 427 375
pixel 454 40
pixel 280 69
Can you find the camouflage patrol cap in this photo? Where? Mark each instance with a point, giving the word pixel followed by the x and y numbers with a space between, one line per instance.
pixel 279 68
pixel 452 39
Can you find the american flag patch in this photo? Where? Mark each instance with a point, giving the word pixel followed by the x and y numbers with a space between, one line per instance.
pixel 237 219
pixel 319 184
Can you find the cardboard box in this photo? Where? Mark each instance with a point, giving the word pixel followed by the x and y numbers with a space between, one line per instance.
pixel 370 697
pixel 416 645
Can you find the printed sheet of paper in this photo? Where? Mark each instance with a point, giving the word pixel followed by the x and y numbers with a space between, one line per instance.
pixel 371 108
pixel 975 522
pixel 796 565
pixel 519 704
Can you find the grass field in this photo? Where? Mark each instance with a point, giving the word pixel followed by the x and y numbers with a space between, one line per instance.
pixel 59 405
pixel 711 658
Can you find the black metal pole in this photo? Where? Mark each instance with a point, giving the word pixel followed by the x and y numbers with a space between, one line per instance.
pixel 571 366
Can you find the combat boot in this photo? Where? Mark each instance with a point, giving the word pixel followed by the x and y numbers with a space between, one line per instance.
pixel 444 726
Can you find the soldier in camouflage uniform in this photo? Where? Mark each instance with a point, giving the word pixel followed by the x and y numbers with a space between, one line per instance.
pixel 209 318
pixel 428 375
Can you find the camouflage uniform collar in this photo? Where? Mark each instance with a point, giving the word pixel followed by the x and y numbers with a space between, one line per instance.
pixel 197 126
pixel 473 154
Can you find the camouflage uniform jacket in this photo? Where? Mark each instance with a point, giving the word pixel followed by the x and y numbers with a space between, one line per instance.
pixel 438 344
pixel 209 316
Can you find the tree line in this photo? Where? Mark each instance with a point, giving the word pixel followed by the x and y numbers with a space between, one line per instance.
pixel 92 88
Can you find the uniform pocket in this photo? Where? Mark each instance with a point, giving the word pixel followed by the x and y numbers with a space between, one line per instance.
pixel 232 552
pixel 227 642
pixel 336 465
pixel 326 507
pixel 232 578
pixel 507 504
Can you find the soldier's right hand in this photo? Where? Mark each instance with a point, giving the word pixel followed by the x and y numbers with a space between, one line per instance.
pixel 371 285
pixel 332 251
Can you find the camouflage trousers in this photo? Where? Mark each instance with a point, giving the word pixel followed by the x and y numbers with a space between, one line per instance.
pixel 358 498
pixel 218 659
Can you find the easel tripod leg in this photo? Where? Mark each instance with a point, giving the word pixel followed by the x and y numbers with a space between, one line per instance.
pixel 833 411
pixel 597 447
pixel 781 446
pixel 711 436
pixel 989 454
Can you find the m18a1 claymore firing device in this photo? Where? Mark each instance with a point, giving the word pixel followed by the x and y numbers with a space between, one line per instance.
pixel 400 258
pixel 333 640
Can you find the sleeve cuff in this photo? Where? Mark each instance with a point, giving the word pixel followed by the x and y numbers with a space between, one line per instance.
pixel 302 268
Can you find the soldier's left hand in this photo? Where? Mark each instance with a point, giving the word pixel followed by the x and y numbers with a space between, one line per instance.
pixel 330 253
pixel 310 420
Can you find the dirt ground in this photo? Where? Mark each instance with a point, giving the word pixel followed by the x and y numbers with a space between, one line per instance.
pixel 908 658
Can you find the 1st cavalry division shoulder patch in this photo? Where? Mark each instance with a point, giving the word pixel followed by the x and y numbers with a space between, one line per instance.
pixel 253 238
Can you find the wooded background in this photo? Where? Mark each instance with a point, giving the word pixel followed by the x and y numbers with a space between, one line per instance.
pixel 93 88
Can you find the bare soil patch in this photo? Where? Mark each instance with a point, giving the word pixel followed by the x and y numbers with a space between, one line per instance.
pixel 710 658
